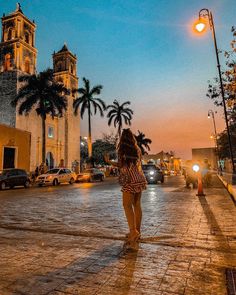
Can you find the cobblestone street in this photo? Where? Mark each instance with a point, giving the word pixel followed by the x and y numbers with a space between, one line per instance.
pixel 69 240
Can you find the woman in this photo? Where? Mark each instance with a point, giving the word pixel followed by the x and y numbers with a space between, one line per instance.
pixel 132 180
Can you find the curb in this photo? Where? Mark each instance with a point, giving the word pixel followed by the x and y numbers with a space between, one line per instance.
pixel 230 188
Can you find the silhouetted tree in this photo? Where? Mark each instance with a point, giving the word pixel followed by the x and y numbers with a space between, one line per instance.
pixel 143 142
pixel 119 114
pixel 87 102
pixel 40 92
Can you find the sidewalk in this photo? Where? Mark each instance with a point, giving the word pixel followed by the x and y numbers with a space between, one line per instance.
pixel 226 179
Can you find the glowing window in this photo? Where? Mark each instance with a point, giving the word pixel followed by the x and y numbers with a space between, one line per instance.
pixel 50 132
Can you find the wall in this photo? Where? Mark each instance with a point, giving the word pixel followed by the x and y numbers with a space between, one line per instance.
pixel 12 137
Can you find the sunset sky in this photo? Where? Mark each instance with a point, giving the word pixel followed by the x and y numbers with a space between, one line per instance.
pixel 142 51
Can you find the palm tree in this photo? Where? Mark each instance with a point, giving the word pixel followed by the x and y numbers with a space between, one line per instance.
pixel 40 92
pixel 143 142
pixel 87 101
pixel 119 115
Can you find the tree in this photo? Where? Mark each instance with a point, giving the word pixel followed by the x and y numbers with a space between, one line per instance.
pixel 40 92
pixel 101 147
pixel 143 142
pixel 119 115
pixel 229 84
pixel 87 101
pixel 223 143
pixel 229 81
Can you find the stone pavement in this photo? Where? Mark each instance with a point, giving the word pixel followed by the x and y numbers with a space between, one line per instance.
pixel 68 240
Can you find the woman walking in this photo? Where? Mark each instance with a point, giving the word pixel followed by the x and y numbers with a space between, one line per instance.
pixel 132 182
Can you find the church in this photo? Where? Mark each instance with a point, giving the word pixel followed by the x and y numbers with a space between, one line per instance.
pixel 18 55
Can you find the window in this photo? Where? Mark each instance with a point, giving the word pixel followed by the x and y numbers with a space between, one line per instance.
pixel 7 62
pixel 9 35
pixel 27 38
pixel 27 66
pixel 50 132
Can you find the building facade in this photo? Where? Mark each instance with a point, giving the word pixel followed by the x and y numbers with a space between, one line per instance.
pixel 18 56
pixel 164 160
pixel 202 155
pixel 14 148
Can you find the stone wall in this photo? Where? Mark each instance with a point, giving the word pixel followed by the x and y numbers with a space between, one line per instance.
pixel 8 91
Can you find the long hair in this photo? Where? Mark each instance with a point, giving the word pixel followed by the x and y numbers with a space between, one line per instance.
pixel 128 150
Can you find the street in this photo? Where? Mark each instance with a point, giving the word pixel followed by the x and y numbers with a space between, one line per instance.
pixel 69 240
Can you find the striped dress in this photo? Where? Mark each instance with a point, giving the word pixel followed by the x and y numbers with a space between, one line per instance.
pixel 136 180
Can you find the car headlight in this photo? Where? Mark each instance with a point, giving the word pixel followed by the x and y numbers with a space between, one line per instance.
pixel 152 172
pixel 49 177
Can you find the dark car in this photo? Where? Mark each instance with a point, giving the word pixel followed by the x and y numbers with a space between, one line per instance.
pixel 14 177
pixel 153 173
pixel 90 175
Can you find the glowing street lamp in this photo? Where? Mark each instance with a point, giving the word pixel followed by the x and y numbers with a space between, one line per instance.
pixel 200 26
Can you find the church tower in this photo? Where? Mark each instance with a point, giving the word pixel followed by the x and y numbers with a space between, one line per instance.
pixel 65 70
pixel 17 56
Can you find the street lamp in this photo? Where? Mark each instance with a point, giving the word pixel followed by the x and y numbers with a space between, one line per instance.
pixel 200 26
pixel 211 114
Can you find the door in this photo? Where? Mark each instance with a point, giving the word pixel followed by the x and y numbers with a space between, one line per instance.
pixel 50 160
pixel 9 157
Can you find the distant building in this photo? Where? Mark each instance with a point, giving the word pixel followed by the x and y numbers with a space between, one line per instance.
pixel 14 148
pixel 165 160
pixel 203 154
pixel 18 56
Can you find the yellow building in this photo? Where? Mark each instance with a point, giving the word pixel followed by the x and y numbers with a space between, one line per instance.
pixel 18 56
pixel 14 148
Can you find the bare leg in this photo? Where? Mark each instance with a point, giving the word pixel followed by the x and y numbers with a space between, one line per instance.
pixel 138 211
pixel 128 200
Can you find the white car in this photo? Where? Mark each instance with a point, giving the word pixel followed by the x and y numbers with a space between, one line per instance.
pixel 56 176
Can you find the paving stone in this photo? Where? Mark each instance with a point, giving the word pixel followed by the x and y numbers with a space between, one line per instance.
pixel 70 240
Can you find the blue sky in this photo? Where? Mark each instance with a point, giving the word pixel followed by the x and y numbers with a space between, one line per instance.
pixel 142 51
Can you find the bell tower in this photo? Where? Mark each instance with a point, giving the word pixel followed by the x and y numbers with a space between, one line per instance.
pixel 17 56
pixel 17 47
pixel 65 70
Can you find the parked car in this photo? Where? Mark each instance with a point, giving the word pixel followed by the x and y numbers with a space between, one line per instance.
pixel 153 173
pixel 14 177
pixel 56 176
pixel 90 175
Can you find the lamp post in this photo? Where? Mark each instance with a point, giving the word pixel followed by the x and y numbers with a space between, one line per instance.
pixel 211 114
pixel 200 27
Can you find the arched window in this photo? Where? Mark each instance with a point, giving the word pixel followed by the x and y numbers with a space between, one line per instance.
pixel 72 69
pixel 9 34
pixel 7 62
pixel 59 66
pixel 27 66
pixel 27 37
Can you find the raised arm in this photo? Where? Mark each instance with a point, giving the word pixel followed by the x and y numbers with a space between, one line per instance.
pixel 108 161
